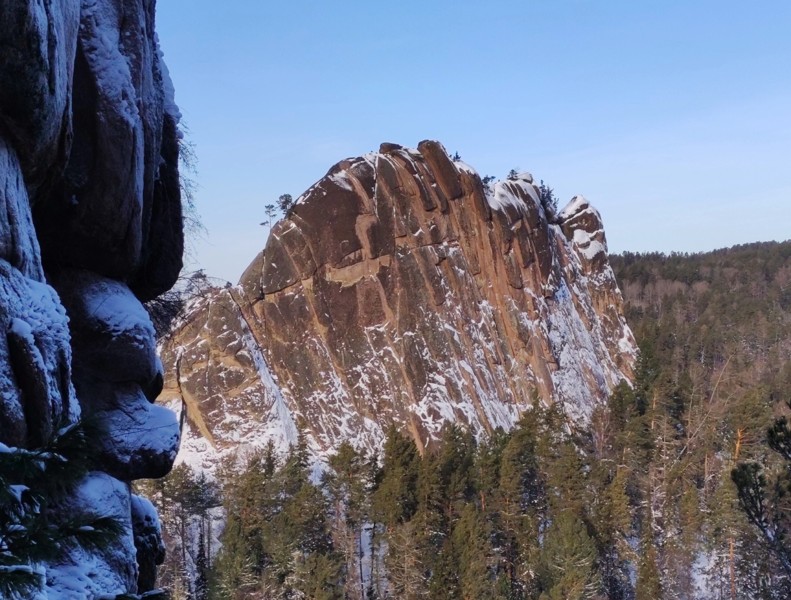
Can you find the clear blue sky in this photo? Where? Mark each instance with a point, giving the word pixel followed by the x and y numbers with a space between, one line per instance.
pixel 673 117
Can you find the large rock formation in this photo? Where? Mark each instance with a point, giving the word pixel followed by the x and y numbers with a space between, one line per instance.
pixel 92 226
pixel 401 289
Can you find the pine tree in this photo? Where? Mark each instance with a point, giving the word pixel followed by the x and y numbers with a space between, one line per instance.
pixel 486 471
pixel 296 470
pixel 277 539
pixel 522 505
pixel 612 517
pixel 475 555
pixel 319 577
pixel 455 462
pixel 35 485
pixel 201 569
pixel 240 561
pixel 395 499
pixel 762 505
pixel 568 560
pixel 253 555
pixel 234 571
pixel 432 528
pixel 286 204
pixel 270 211
pixel 345 487
pixel 548 200
pixel 649 584
pixel 443 570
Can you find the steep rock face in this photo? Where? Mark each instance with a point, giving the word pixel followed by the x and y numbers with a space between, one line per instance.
pixel 91 227
pixel 401 289
pixel 39 43
pixel 116 176
pixel 215 367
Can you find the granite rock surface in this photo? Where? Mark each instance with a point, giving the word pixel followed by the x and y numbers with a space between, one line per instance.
pixel 401 289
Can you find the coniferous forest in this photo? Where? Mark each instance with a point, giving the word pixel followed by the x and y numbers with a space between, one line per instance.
pixel 679 487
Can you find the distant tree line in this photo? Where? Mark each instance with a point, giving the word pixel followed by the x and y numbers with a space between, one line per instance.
pixel 678 487
pixel 639 505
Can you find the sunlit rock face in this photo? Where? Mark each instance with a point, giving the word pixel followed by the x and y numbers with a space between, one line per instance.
pixel 402 290
pixel 92 226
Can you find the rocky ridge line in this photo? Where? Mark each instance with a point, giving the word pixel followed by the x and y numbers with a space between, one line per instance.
pixel 401 289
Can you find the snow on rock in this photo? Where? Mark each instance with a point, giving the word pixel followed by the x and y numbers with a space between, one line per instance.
pixel 111 570
pixel 88 136
pixel 148 541
pixel 116 210
pixel 577 205
pixel 511 193
pixel 35 360
pixel 110 326
pixel 463 166
pixel 117 375
pixel 171 108
pixel 401 290
pixel 585 223
pixel 222 348
pixel 39 44
pixel 18 243
pixel 144 440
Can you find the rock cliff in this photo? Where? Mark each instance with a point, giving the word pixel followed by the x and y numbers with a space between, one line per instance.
pixel 91 227
pixel 402 289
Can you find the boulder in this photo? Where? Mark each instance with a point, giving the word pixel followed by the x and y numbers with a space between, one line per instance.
pixel 115 370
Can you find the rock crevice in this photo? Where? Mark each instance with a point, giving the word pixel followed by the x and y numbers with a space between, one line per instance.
pixel 91 228
pixel 402 289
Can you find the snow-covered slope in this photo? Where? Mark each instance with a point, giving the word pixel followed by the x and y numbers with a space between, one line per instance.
pixel 401 289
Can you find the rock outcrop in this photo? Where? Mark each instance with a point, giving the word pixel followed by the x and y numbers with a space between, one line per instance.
pixel 91 228
pixel 402 289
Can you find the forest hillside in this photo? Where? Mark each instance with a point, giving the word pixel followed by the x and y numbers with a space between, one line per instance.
pixel 640 504
pixel 721 316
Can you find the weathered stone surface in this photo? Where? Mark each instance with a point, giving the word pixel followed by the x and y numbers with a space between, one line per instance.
pixel 98 572
pixel 112 334
pixel 18 243
pixel 402 290
pixel 142 439
pixel 122 165
pixel 148 543
pixel 35 360
pixel 115 366
pixel 237 387
pixel 446 174
pixel 38 41
pixel 88 180
pixel 163 238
